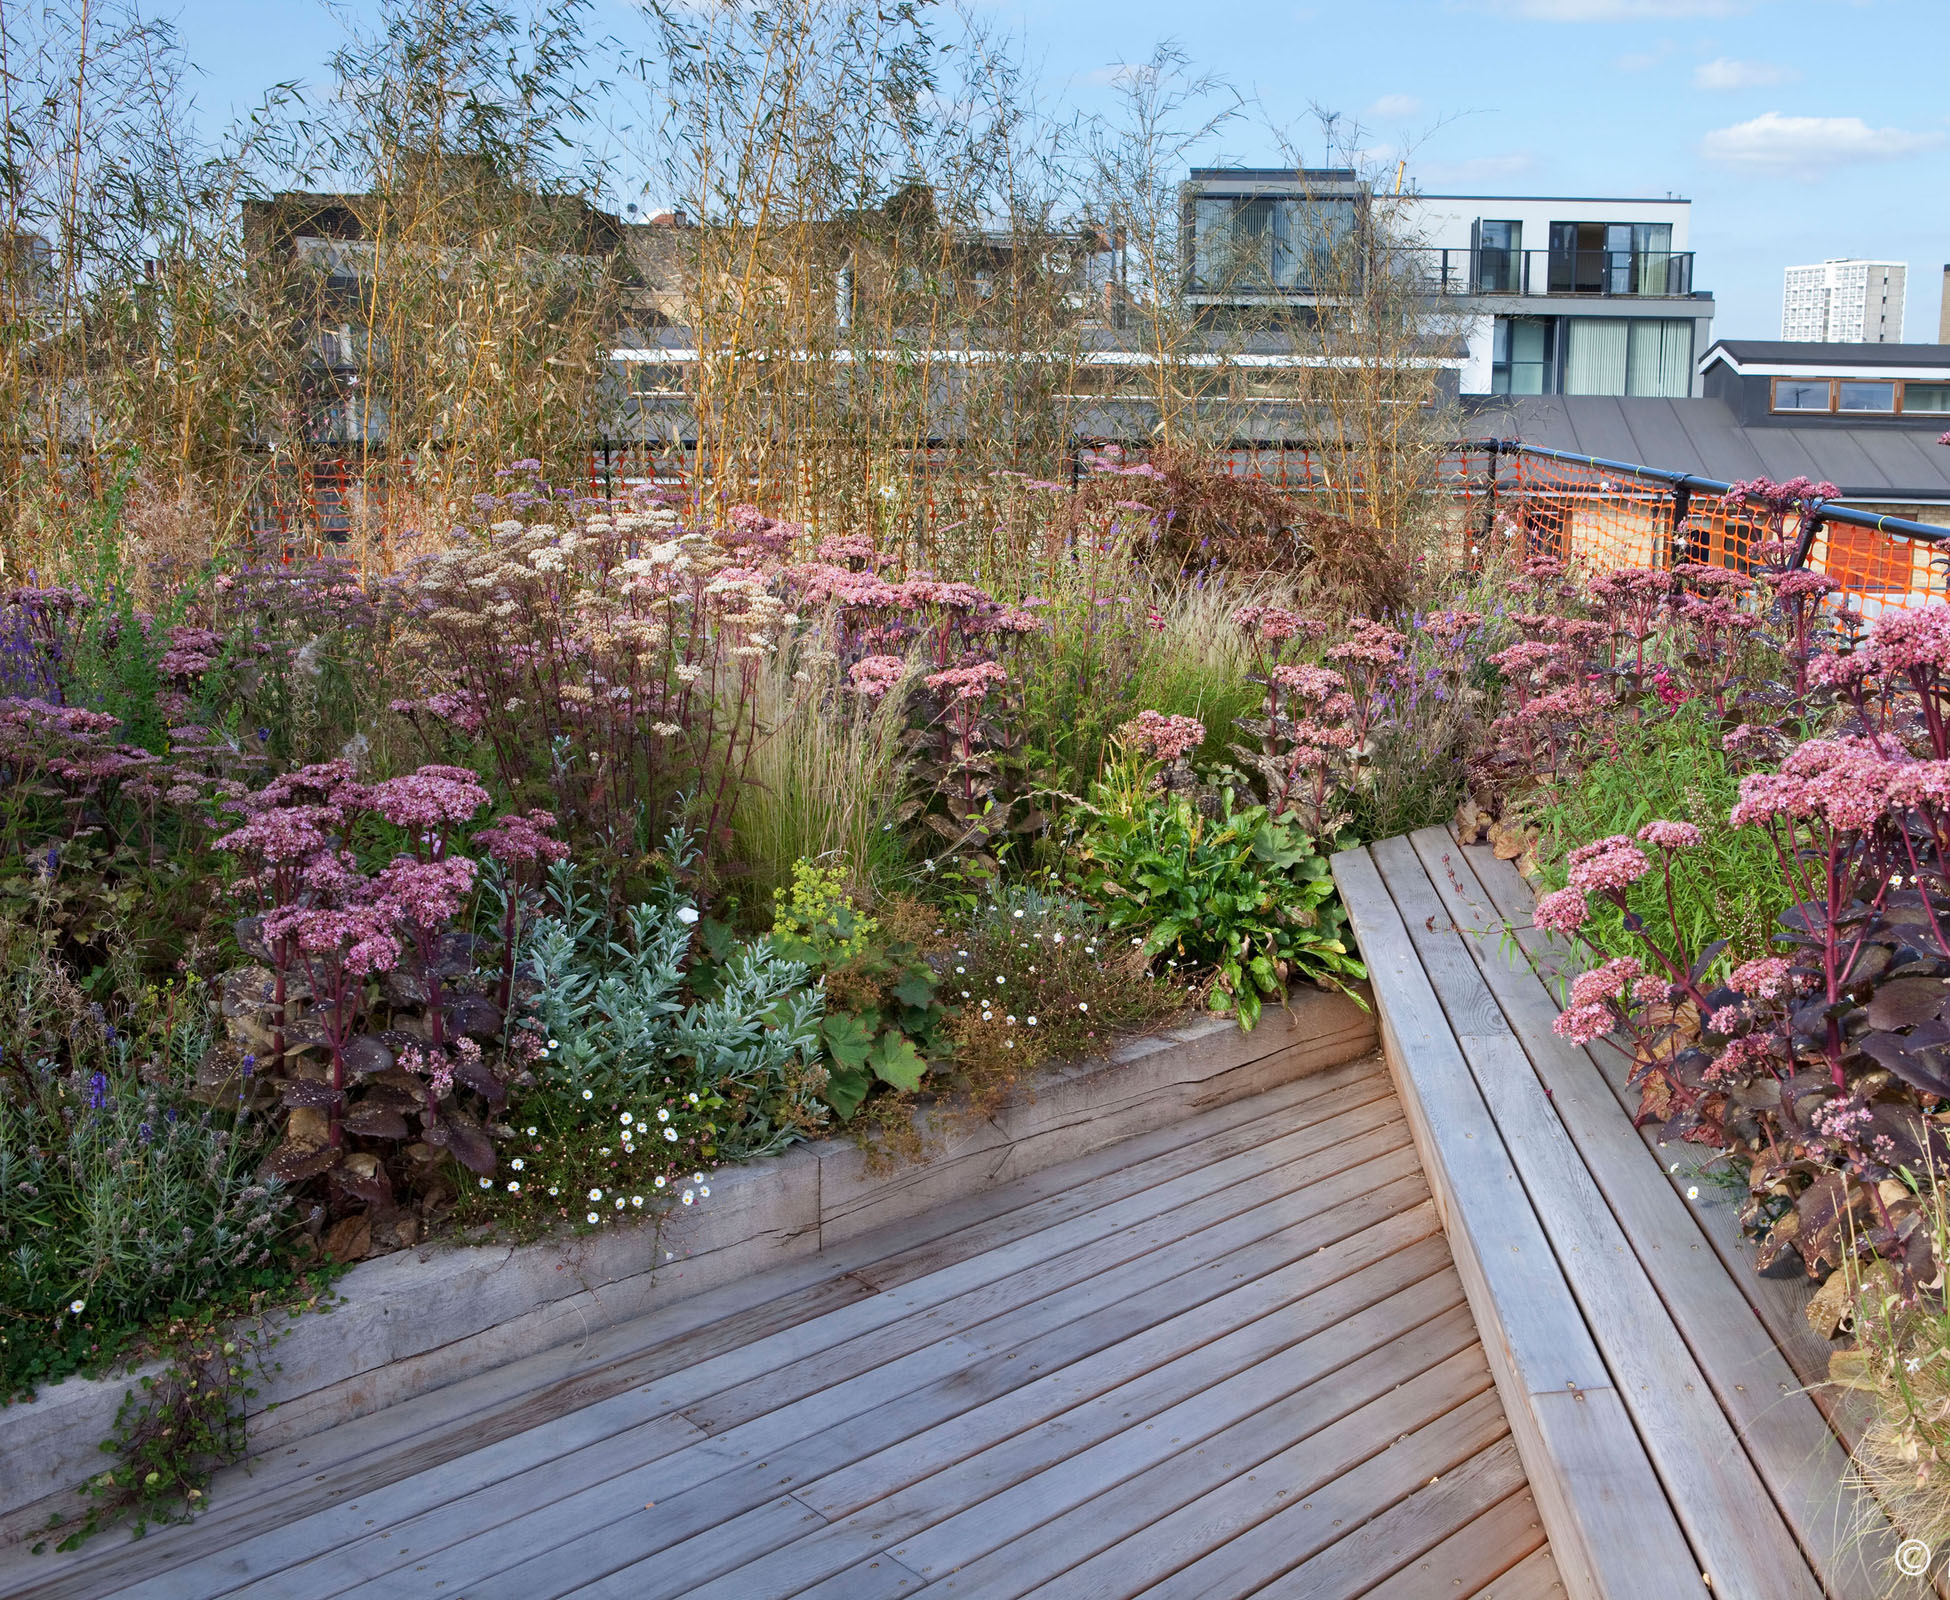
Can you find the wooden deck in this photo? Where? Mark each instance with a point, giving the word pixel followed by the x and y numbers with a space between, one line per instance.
pixel 1233 1357
pixel 1656 1387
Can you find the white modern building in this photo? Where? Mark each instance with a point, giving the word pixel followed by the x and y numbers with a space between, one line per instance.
pixel 1553 294
pixel 1844 301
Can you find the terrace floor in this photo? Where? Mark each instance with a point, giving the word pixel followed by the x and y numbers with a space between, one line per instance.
pixel 1232 1357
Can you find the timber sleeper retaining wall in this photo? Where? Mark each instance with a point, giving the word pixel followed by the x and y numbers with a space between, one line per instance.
pixel 419 1319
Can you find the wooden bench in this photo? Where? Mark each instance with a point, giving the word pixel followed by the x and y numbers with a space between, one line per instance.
pixel 1672 1446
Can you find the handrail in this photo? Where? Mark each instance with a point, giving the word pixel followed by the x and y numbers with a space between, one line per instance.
pixel 1814 512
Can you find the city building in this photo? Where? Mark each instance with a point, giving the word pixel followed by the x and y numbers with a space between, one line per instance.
pixel 1551 295
pixel 1844 301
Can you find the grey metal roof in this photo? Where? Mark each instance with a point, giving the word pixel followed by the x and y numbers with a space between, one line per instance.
pixel 1787 352
pixel 1701 437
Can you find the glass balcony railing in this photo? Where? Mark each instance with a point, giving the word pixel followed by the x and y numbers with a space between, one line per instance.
pixel 1558 272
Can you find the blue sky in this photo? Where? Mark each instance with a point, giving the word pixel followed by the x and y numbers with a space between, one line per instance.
pixel 1800 129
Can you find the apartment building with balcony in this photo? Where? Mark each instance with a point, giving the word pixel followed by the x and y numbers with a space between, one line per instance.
pixel 1552 295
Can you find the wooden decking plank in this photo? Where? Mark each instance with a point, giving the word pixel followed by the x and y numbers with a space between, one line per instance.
pixel 879 1577
pixel 610 1535
pixel 604 1530
pixel 1611 1526
pixel 1370 1555
pixel 910 1308
pixel 687 1567
pixel 1473 1556
pixel 968 1461
pixel 1533 1578
pixel 461 1417
pixel 1231 1540
pixel 822 1549
pixel 1314 1381
pixel 1358 1090
pixel 1794 1454
pixel 1373 1133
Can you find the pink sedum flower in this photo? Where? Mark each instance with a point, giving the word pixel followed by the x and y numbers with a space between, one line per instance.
pixel 1582 1024
pixel 1608 982
pixel 968 683
pixel 873 676
pixel 1763 979
pixel 434 797
pixel 1607 865
pixel 1562 913
pixel 1164 737
pixel 1670 835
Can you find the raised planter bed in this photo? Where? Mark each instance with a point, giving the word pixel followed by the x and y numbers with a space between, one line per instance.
pixel 420 1319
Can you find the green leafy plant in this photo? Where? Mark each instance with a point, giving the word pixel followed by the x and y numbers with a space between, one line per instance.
pixel 651 1058
pixel 1039 976
pixel 882 1019
pixel 1236 895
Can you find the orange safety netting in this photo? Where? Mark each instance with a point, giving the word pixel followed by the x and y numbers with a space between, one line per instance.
pixel 1608 519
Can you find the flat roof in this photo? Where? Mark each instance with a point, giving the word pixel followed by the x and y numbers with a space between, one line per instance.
pixel 1763 353
pixel 1702 437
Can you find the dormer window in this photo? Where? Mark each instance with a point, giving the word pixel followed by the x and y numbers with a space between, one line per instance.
pixel 1859 397
pixel 1799 394
pixel 1863 395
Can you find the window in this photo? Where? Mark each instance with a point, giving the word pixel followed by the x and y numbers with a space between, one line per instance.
pixel 1801 394
pixel 1499 257
pixel 1266 242
pixel 1615 258
pixel 1629 356
pixel 1523 358
pixel 1859 395
pixel 1933 397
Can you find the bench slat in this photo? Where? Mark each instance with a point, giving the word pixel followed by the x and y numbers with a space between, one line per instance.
pixel 1612 1533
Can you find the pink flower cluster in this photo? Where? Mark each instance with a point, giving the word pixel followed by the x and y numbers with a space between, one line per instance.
pixel 968 683
pixel 1607 865
pixel 1163 737
pixel 1670 835
pixel 1321 685
pixel 1779 497
pixel 517 839
pixel 432 798
pixel 1847 783
pixel 1765 978
pixel 1370 642
pixel 1563 912
pixel 1275 624
pixel 873 676
pixel 1915 641
pixel 191 653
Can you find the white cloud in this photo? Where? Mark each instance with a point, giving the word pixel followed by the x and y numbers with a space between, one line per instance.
pixel 1395 106
pixel 1725 73
pixel 1807 146
pixel 1618 10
